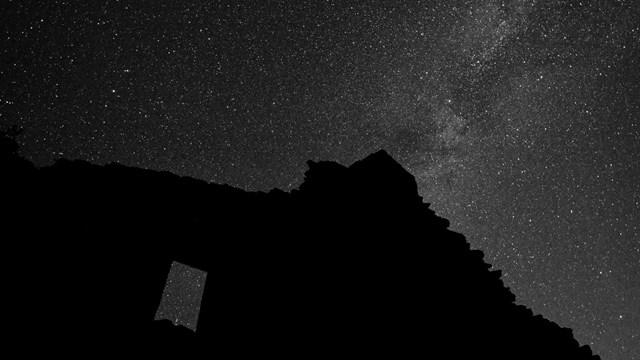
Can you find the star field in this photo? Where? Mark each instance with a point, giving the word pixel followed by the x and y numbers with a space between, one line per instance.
pixel 519 118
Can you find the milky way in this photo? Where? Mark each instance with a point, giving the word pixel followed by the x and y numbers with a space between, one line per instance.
pixel 518 118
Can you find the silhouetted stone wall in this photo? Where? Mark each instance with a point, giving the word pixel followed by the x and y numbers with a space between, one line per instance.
pixel 352 263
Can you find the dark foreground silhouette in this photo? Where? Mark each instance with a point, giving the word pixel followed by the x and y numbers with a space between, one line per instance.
pixel 351 264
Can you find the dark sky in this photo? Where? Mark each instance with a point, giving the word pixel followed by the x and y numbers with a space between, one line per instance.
pixel 519 118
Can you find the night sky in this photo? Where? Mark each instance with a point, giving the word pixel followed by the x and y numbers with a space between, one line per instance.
pixel 519 118
pixel 182 296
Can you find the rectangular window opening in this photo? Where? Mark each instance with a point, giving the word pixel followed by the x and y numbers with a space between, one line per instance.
pixel 182 296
